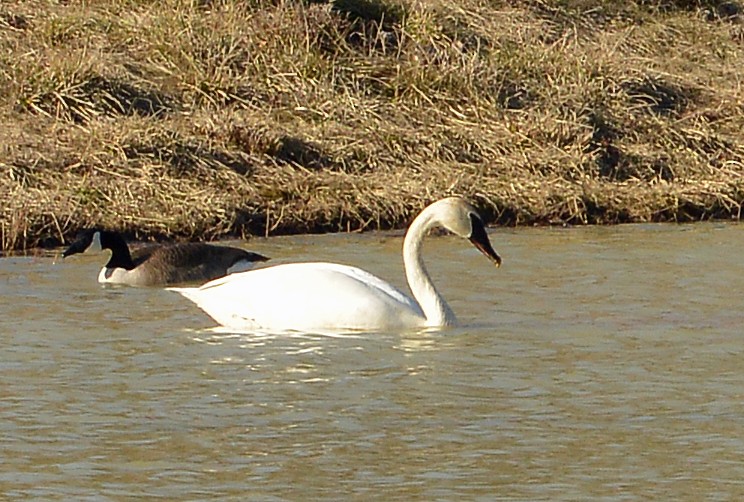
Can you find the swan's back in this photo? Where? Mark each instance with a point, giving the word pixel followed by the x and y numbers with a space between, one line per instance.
pixel 306 296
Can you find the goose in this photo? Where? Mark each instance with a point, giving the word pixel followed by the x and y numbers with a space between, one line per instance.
pixel 331 296
pixel 158 265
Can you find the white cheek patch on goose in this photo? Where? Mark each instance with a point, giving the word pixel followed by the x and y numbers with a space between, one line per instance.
pixel 95 243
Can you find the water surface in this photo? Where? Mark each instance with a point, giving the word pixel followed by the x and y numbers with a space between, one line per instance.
pixel 597 363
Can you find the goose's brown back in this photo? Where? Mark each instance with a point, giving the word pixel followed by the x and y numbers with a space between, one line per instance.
pixel 187 262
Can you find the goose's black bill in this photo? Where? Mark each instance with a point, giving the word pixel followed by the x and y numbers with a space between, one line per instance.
pixel 80 245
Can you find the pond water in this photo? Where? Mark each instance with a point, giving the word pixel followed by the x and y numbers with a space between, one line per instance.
pixel 597 363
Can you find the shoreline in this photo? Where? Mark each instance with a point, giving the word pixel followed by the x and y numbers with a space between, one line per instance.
pixel 397 232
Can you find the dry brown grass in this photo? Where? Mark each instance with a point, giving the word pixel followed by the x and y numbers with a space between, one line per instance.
pixel 201 119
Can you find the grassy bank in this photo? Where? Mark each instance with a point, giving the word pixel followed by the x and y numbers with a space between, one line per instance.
pixel 202 119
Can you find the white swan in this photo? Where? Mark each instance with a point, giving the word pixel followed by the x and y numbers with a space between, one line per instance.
pixel 320 296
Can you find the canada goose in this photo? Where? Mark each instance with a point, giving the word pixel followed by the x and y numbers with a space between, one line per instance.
pixel 319 296
pixel 157 265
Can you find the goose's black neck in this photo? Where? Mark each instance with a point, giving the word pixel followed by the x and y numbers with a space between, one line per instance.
pixel 120 256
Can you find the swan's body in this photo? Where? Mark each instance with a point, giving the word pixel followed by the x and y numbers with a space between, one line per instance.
pixel 320 296
pixel 160 265
pixel 272 298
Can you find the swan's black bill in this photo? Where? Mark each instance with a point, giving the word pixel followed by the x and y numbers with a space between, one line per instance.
pixel 479 238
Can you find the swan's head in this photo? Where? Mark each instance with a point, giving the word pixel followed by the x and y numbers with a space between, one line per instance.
pixel 461 218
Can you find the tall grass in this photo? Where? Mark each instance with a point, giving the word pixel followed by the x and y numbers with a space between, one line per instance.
pixel 201 119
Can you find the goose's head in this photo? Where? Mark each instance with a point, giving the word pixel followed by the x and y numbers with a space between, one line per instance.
pixel 92 239
pixel 461 218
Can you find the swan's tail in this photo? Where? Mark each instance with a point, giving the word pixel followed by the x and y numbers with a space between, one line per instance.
pixel 190 293
pixel 216 307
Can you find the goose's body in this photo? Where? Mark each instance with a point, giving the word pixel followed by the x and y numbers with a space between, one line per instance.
pixel 320 296
pixel 160 265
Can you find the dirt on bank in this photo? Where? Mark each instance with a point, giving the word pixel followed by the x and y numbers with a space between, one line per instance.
pixel 206 119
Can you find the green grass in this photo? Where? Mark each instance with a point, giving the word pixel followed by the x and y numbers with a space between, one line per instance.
pixel 205 119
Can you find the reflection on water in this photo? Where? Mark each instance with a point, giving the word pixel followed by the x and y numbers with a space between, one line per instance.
pixel 600 363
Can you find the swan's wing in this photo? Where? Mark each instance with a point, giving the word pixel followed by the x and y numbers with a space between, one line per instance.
pixel 372 281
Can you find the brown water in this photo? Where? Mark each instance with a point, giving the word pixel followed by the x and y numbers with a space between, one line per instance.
pixel 597 363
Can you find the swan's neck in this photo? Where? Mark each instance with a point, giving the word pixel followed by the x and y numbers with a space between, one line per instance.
pixel 435 308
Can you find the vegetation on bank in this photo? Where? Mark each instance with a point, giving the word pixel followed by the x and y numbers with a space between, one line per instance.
pixel 201 119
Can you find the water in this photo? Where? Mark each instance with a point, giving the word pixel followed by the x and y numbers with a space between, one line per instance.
pixel 597 363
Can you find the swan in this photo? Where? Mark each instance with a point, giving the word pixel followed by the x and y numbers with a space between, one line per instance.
pixel 322 296
pixel 159 265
